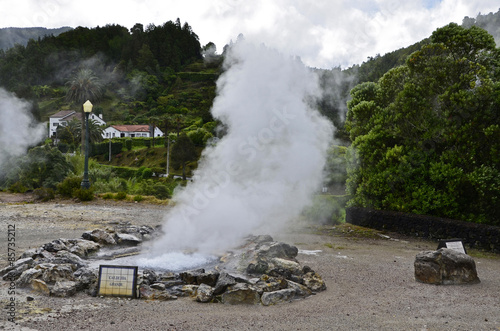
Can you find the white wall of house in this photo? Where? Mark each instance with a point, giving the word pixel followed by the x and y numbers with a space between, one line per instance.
pixel 111 132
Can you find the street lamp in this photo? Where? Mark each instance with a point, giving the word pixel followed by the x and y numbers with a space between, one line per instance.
pixel 87 108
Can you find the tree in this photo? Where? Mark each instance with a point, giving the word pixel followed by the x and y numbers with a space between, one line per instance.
pixel 84 85
pixel 426 136
pixel 183 152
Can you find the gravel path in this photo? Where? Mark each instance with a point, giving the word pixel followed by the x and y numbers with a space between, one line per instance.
pixel 370 283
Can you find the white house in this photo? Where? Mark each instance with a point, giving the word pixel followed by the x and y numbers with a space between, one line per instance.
pixel 132 131
pixel 65 116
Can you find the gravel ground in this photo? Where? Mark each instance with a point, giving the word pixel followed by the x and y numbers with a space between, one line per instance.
pixel 370 282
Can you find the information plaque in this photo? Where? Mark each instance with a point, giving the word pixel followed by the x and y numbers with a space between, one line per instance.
pixel 118 281
pixel 455 244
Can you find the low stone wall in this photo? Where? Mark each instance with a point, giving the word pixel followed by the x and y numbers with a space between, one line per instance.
pixel 474 235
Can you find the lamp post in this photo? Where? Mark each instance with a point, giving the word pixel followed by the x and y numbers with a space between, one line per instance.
pixel 87 108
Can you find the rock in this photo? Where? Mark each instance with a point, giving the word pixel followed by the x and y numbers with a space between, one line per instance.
pixel 191 290
pixel 25 261
pixel 191 276
pixel 271 298
pixel 280 250
pixel 260 239
pixel 445 266
pixel 55 246
pixel 53 273
pixel 209 278
pixel 158 286
pixel 65 257
pixel 300 290
pixel 149 276
pixel 40 286
pixel 15 273
pixel 223 282
pixel 99 236
pixel 126 239
pixel 82 247
pixel 314 282
pixel 257 268
pixel 292 266
pixel 32 252
pixel 241 293
pixel 205 293
pixel 271 284
pixel 64 289
pixel 27 276
pixel 148 293
pixel 85 278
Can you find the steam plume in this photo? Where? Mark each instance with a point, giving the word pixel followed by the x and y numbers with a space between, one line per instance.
pixel 18 130
pixel 265 169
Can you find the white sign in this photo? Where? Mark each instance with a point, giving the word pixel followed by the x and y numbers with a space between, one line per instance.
pixel 117 281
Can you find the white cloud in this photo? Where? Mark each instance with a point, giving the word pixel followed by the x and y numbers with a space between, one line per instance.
pixel 323 33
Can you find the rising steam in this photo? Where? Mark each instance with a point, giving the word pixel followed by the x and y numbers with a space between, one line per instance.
pixel 18 129
pixel 267 166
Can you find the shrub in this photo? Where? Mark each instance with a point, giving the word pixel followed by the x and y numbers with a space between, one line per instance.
pixel 121 195
pixel 147 173
pixel 107 196
pixel 17 187
pixel 128 144
pixel 68 185
pixel 44 194
pixel 138 198
pixel 84 194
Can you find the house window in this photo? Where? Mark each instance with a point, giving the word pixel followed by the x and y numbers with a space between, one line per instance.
pixel 55 124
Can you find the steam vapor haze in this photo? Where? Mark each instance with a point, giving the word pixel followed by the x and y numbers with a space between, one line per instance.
pixel 18 130
pixel 267 166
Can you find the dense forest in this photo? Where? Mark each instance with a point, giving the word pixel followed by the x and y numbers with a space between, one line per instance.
pixel 419 127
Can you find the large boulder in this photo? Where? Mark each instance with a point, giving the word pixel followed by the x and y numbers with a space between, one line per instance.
pixel 99 236
pixel 127 239
pixel 28 261
pixel 272 298
pixel 148 293
pixel 40 286
pixel 314 282
pixel 205 293
pixel 65 288
pixel 223 282
pixel 27 276
pixel 82 247
pixel 209 278
pixel 241 293
pixel 445 267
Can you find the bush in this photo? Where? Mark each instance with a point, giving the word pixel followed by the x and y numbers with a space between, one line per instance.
pixel 68 185
pixel 107 196
pixel 44 194
pixel 138 198
pixel 17 187
pixel 147 173
pixel 121 195
pixel 84 194
pixel 128 144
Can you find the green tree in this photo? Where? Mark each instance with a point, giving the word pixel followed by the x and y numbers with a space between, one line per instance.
pixel 183 152
pixel 84 85
pixel 426 135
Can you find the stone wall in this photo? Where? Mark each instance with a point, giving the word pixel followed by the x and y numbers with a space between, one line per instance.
pixel 474 235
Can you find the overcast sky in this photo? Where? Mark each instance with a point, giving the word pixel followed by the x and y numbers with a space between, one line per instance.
pixel 324 33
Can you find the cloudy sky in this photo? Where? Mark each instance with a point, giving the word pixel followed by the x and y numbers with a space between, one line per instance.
pixel 324 33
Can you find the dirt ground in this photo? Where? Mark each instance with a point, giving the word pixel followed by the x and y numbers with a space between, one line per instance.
pixel 370 280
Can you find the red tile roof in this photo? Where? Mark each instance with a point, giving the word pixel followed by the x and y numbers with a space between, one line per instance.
pixel 132 128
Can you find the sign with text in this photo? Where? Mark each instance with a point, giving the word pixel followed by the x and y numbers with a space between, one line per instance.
pixel 455 244
pixel 117 281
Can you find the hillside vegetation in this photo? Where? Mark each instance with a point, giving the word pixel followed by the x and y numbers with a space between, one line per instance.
pixel 418 128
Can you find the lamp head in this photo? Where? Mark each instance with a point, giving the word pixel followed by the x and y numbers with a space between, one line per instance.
pixel 87 106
